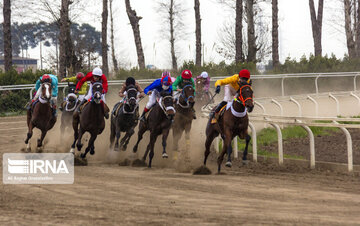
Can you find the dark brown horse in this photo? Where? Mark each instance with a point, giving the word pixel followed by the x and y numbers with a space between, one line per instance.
pixel 125 120
pixel 68 108
pixel 202 97
pixel 158 122
pixel 184 116
pixel 234 122
pixel 40 115
pixel 91 119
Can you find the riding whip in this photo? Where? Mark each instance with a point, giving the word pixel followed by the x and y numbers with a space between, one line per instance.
pixel 212 98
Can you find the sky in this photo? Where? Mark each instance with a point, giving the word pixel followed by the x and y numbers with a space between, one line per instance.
pixel 295 35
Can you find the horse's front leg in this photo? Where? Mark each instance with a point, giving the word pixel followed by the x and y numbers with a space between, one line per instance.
pixel 40 141
pixel 125 141
pixel 165 134
pixel 226 144
pixel 29 135
pixel 142 130
pixel 79 144
pixel 153 138
pixel 90 146
pixel 247 140
pixel 118 134
pixel 75 125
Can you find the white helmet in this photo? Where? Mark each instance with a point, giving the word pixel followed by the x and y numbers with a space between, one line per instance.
pixel 97 71
pixel 204 74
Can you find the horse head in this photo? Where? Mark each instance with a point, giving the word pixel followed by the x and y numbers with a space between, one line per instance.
pixel 97 90
pixel 245 94
pixel 46 91
pixel 131 96
pixel 71 100
pixel 167 104
pixel 188 94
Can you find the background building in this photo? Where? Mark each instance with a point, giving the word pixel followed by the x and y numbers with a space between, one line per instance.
pixel 21 64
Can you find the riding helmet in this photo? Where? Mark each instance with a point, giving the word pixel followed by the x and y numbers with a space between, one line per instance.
pixel 46 78
pixel 186 74
pixel 165 73
pixel 79 75
pixel 166 80
pixel 244 74
pixel 130 81
pixel 97 71
pixel 204 74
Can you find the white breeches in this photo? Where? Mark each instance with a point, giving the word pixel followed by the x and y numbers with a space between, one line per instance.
pixel 230 92
pixel 89 94
pixel 81 97
pixel 152 98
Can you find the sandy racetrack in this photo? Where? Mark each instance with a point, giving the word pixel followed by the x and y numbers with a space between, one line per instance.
pixel 106 194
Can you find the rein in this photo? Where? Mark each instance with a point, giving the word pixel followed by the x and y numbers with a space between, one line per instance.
pixel 240 99
pixel 67 102
pixel 127 102
pixel 161 104
pixel 186 99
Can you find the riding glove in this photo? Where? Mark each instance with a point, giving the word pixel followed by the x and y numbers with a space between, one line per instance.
pixel 217 90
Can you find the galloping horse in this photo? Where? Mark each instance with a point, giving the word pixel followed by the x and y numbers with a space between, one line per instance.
pixel 184 116
pixel 158 122
pixel 202 97
pixel 91 119
pixel 234 122
pixel 125 119
pixel 40 116
pixel 68 108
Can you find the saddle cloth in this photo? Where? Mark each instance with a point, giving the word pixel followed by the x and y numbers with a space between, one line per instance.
pixel 219 114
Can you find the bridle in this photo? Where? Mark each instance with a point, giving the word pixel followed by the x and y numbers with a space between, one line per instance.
pixel 127 101
pixel 186 99
pixel 99 92
pixel 67 100
pixel 239 98
pixel 41 98
pixel 162 105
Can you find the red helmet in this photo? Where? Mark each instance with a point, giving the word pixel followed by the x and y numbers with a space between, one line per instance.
pixel 79 75
pixel 46 78
pixel 244 74
pixel 186 74
pixel 166 80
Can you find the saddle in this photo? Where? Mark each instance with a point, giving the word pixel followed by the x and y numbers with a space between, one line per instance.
pixel 218 115
pixel 82 106
pixel 118 108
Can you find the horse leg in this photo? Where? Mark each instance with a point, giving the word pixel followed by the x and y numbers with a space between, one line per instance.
pixel 209 140
pixel 79 144
pixel 247 140
pixel 229 151
pixel 118 134
pixel 90 146
pixel 176 135
pixel 187 140
pixel 39 145
pixel 165 134
pixel 226 144
pixel 126 141
pixel 112 134
pixel 75 125
pixel 29 135
pixel 153 138
pixel 142 130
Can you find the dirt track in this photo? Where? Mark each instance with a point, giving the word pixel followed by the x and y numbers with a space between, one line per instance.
pixel 109 194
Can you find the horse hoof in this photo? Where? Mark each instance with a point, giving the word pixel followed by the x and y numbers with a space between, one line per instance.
pixel 165 156
pixel 79 146
pixel 39 149
pixel 92 152
pixel 245 162
pixel 228 164
pixel 82 155
pixel 116 148
pixel 123 148
pixel 135 149
pixel 72 151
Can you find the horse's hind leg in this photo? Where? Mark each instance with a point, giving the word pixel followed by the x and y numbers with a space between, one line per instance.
pixel 125 141
pixel 29 135
pixel 247 140
pixel 79 144
pixel 112 134
pixel 227 143
pixel 153 138
pixel 40 141
pixel 118 134
pixel 165 134
pixel 142 130
pixel 75 125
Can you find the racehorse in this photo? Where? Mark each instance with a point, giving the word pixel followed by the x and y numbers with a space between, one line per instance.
pixel 158 122
pixel 40 115
pixel 234 122
pixel 68 108
pixel 91 119
pixel 184 116
pixel 125 120
pixel 202 98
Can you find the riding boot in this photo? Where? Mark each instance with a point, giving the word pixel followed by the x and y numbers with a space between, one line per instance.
pixel 142 117
pixel 215 115
pixel 78 107
pixel 54 110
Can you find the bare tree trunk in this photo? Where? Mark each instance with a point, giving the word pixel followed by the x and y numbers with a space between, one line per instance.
pixel 134 21
pixel 172 37
pixel 63 37
pixel 198 32
pixel 238 32
pixel 349 33
pixel 357 28
pixel 252 49
pixel 7 35
pixel 275 34
pixel 116 69
pixel 104 45
pixel 316 24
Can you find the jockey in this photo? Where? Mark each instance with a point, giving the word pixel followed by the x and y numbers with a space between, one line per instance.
pixel 95 76
pixel 159 85
pixel 232 84
pixel 206 80
pixel 53 80
pixel 180 82
pixel 75 80
pixel 129 81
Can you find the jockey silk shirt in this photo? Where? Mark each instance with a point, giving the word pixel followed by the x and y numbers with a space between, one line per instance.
pixel 156 85
pixel 84 87
pixel 178 84
pixel 54 85
pixel 232 80
pixel 89 77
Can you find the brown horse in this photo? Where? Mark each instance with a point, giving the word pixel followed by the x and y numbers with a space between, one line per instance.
pixel 40 115
pixel 234 122
pixel 202 97
pixel 68 109
pixel 125 120
pixel 158 122
pixel 184 116
pixel 91 119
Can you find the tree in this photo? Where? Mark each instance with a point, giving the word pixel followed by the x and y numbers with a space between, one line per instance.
pixel 238 32
pixel 104 44
pixel 275 34
pixel 134 21
pixel 197 32
pixel 115 63
pixel 252 48
pixel 316 25
pixel 64 36
pixel 7 35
